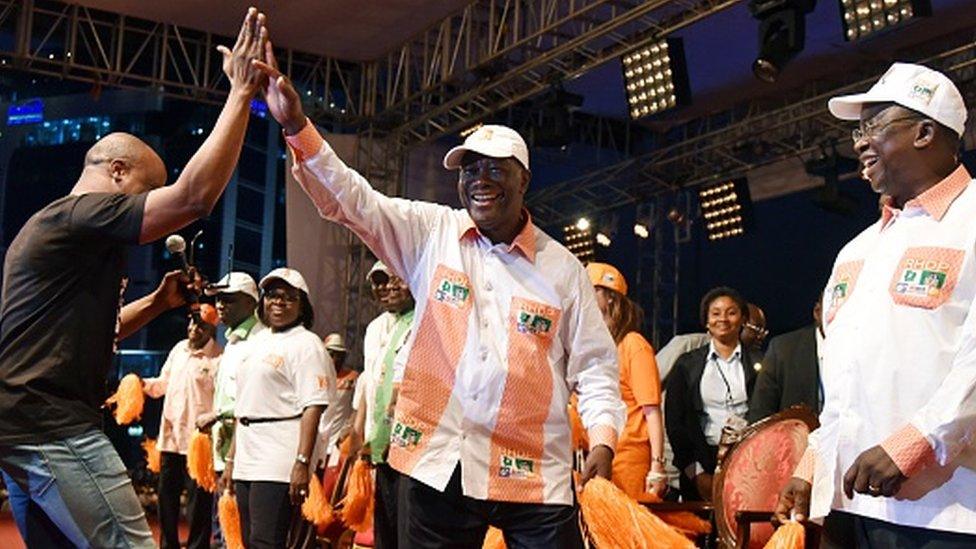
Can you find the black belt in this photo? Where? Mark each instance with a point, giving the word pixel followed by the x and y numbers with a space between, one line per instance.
pixel 249 420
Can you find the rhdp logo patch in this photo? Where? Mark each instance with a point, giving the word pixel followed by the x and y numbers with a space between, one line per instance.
pixel 404 435
pixel 922 277
pixel 452 293
pixel 923 90
pixel 513 466
pixel 529 322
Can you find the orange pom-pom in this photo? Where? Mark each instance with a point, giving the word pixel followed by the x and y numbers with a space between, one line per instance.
pixel 152 455
pixel 316 508
pixel 494 539
pixel 199 461
pixel 615 520
pixel 357 506
pixel 128 400
pixel 230 521
pixel 787 536
pixel 685 522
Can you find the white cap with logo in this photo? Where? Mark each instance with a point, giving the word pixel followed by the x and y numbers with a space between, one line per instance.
pixel 491 140
pixel 290 276
pixel 234 282
pixel 914 87
pixel 334 342
pixel 378 267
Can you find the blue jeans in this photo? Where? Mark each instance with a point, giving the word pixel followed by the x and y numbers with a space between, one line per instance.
pixel 73 492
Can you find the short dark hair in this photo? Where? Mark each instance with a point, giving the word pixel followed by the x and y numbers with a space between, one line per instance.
pixel 306 315
pixel 723 291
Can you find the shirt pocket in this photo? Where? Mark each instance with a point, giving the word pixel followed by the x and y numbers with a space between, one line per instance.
pixel 532 324
pixel 926 276
pixel 842 286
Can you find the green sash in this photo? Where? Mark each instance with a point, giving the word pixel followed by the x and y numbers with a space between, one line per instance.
pixel 380 440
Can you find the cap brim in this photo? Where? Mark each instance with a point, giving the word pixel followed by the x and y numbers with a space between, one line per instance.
pixel 848 107
pixel 337 349
pixel 452 160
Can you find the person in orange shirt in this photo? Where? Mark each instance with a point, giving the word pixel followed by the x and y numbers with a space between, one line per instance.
pixel 638 465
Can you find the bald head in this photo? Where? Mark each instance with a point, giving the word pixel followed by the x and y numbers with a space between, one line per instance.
pixel 121 162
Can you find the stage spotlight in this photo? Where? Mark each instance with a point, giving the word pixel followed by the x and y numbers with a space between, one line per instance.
pixel 603 240
pixel 641 230
pixel 726 208
pixel 579 240
pixel 864 17
pixel 782 34
pixel 656 77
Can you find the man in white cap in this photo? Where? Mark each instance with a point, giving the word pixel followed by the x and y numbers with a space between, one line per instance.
pixel 893 454
pixel 507 327
pixel 375 392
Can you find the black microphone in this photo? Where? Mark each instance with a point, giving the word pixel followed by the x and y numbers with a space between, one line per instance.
pixel 176 245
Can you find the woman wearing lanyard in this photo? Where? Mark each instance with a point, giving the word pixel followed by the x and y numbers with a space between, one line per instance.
pixel 708 390
pixel 638 464
pixel 283 386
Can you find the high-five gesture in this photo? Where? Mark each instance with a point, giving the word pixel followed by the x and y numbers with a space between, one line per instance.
pixel 241 73
pixel 283 100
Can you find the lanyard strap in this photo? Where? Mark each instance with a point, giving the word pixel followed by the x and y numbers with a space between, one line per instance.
pixel 729 400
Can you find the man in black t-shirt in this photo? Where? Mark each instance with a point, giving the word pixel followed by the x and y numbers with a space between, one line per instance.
pixel 61 315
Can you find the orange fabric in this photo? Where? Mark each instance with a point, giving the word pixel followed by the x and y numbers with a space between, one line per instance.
pixel 494 539
pixel 640 385
pixel 909 449
pixel 926 276
pixel 615 520
pixel 841 286
pixel 357 506
pixel 517 443
pixel 305 143
pixel 581 440
pixel 426 388
pixel 199 461
pixel 230 521
pixel 524 241
pixel 937 199
pixel 804 469
pixel 152 455
pixel 128 399
pixel 787 536
pixel 316 508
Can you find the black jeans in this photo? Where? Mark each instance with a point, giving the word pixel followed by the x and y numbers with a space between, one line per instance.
pixel 173 478
pixel 868 533
pixel 451 520
pixel 386 507
pixel 266 512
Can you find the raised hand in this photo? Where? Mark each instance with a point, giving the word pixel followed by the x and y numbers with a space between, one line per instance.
pixel 284 103
pixel 242 74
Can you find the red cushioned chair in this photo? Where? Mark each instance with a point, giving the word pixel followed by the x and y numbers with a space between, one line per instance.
pixel 753 469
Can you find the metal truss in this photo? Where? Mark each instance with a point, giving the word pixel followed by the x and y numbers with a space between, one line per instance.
pixel 496 53
pixel 110 49
pixel 727 145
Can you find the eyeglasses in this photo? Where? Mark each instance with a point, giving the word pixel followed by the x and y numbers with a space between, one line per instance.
pixel 283 297
pixel 871 129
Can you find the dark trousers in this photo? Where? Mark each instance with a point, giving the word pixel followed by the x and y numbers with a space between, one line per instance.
pixel 385 509
pixel 450 520
pixel 173 478
pixel 868 533
pixel 265 512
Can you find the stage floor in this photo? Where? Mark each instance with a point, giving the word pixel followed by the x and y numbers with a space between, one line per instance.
pixel 10 538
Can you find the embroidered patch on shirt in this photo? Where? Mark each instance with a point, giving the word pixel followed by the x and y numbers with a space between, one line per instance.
pixel 529 323
pixel 452 293
pixel 925 277
pixel 403 435
pixel 323 382
pixel 841 286
pixel 275 361
pixel 534 318
pixel 514 466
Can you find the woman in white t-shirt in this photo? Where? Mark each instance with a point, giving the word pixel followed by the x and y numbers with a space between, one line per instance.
pixel 283 385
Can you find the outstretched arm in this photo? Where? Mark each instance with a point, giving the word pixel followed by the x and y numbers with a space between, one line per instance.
pixel 206 174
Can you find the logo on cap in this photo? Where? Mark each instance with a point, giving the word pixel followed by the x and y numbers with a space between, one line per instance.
pixel 923 90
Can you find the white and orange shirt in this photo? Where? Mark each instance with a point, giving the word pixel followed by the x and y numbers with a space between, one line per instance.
pixel 502 335
pixel 899 362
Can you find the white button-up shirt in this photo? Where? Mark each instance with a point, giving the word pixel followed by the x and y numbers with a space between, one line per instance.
pixel 723 392
pixel 502 335
pixel 378 334
pixel 899 365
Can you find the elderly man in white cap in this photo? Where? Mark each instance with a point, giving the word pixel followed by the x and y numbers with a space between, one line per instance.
pixel 375 393
pixel 507 327
pixel 894 452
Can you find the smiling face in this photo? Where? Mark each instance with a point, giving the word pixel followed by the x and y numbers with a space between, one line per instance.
pixel 889 134
pixel 199 333
pixel 493 192
pixel 282 304
pixel 725 319
pixel 392 293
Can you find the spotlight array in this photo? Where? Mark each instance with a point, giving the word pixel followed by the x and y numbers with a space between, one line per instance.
pixel 603 240
pixel 579 240
pixel 655 77
pixel 865 17
pixel 641 230
pixel 724 208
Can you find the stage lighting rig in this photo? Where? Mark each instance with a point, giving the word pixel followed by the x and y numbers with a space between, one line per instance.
pixel 578 238
pixel 865 17
pixel 656 77
pixel 782 34
pixel 726 208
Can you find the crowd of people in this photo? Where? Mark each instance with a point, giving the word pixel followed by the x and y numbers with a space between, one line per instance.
pixel 491 335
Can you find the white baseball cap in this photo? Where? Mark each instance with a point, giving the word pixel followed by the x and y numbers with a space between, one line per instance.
pixel 494 141
pixel 378 267
pixel 291 277
pixel 234 282
pixel 914 87
pixel 334 342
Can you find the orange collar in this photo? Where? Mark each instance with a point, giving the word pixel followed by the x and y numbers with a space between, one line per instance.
pixel 524 241
pixel 937 199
